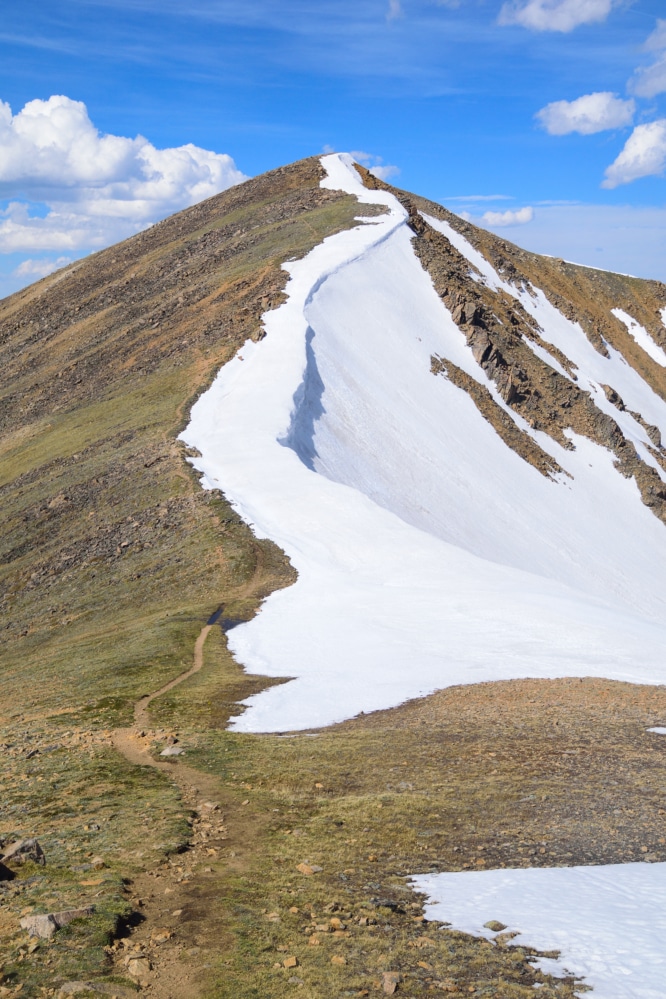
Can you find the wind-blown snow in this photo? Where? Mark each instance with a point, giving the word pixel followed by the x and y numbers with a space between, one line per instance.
pixel 609 923
pixel 428 553
pixel 641 336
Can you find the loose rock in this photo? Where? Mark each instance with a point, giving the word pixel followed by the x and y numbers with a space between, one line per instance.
pixel 390 980
pixel 139 967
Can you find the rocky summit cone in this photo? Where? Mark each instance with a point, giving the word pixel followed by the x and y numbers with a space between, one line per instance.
pixel 333 534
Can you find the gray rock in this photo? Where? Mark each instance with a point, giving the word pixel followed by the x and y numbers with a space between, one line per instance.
pixel 99 988
pixel 172 751
pixel 22 850
pixel 45 925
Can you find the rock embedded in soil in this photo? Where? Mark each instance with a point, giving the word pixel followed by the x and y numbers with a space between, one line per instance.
pixel 309 869
pixel 139 967
pixel 24 849
pixel 390 982
pixel 44 925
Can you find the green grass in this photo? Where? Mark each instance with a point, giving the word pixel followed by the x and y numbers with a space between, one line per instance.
pixel 111 555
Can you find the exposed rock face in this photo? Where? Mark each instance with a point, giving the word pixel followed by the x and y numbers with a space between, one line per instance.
pixel 499 332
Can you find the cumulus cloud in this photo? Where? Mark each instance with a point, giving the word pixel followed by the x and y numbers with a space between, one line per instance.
pixel 644 155
pixel 376 165
pixel 96 188
pixel 500 219
pixel 648 81
pixel 40 268
pixel 554 15
pixel 587 114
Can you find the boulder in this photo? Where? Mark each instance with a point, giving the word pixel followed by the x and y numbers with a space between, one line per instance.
pixel 22 850
pixel 44 925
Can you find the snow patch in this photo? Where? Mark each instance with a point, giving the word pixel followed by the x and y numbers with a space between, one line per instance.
pixel 641 336
pixel 609 922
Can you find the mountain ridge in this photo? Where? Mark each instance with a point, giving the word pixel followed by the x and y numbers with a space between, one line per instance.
pixel 114 559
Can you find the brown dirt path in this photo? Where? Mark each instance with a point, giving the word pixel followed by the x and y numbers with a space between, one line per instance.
pixel 181 930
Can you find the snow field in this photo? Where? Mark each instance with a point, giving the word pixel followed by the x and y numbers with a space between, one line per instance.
pixel 642 337
pixel 428 553
pixel 609 923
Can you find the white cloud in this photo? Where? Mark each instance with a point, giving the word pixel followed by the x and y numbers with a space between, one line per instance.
pixel 97 188
pixel 614 237
pixel 657 40
pixel 587 114
pixel 34 269
pixel 394 10
pixel 385 172
pixel 375 165
pixel 500 219
pixel 554 15
pixel 644 155
pixel 648 81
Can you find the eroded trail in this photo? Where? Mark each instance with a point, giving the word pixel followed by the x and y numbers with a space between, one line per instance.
pixel 131 743
pixel 179 928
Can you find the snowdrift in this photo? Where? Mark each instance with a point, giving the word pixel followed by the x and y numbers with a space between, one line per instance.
pixel 428 552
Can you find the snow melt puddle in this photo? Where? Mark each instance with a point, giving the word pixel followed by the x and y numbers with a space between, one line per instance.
pixel 609 923
pixel 428 552
pixel 641 336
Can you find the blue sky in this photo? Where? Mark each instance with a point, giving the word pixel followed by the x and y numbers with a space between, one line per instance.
pixel 446 93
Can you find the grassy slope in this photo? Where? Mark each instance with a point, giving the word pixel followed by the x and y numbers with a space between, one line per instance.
pixel 112 558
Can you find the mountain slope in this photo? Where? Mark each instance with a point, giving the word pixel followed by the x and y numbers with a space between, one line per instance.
pixel 99 363
pixel 409 519
pixel 463 485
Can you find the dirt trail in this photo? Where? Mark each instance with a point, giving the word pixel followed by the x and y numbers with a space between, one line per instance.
pixel 181 930
pixel 131 743
pixel 180 927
